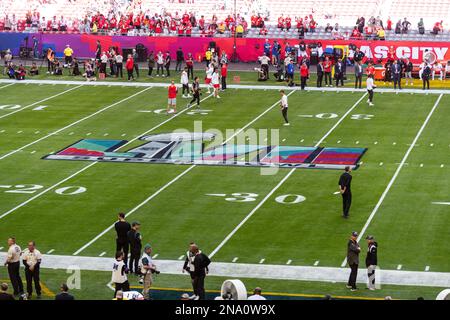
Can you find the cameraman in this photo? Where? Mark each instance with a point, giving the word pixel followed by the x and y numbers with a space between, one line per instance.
pixel 147 269
pixel 119 274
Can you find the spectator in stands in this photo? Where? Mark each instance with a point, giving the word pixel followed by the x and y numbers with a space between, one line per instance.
pixel 360 23
pixel 381 34
pixel 64 294
pixel 329 28
pixel 438 27
pixel 405 25
pixel 421 26
pixel 257 295
pixel 389 24
pixel 398 27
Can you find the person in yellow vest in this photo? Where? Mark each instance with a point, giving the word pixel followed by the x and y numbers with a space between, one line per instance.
pixel 239 31
pixel 208 56
pixel 68 53
pixel 381 34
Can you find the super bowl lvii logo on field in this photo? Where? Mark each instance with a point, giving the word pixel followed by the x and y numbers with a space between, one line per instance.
pixel 199 149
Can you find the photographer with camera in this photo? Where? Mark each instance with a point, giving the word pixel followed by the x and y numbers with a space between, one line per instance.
pixel 147 268
pixel 119 274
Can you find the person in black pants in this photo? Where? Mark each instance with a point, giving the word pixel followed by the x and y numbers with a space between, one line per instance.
pixel 122 228
pixel 167 61
pixel 13 263
pixel 358 75
pixel 151 63
pixel 353 250
pixel 31 258
pixel 426 76
pixel 339 73
pixel 319 74
pixel 135 241
pixel 345 189
pixel 180 59
pixel 136 65
pixel 397 74
pixel 200 263
pixel 195 92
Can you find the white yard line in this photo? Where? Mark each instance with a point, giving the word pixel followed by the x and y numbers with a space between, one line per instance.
pixel 174 179
pixel 259 205
pixel 394 177
pixel 40 101
pixel 73 124
pixel 8 85
pixel 258 271
pixel 69 177
pixel 229 86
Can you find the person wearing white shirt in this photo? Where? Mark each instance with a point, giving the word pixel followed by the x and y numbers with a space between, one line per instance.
pixel 159 63
pixel 119 274
pixel 215 82
pixel 31 258
pixel 421 67
pixel 437 69
pixel 284 106
pixel 209 72
pixel 185 83
pixel 256 295
pixel 13 263
pixel 370 86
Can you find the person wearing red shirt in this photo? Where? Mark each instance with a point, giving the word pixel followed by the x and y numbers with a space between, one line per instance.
pixel 201 23
pixel 370 69
pixel 304 74
pixel 172 101
pixel 129 65
pixel 312 25
pixel 188 29
pixel 253 21
pixel 355 33
pixel 389 24
pixel 287 22
pixel 281 22
pixel 327 71
pixel 224 73
pixel 180 30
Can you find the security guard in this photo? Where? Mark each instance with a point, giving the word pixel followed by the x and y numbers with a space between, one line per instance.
pixel 346 192
pixel 135 241
pixel 13 263
pixel 31 258
pixel 371 261
pixel 353 250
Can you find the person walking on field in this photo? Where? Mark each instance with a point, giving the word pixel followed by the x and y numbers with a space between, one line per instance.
pixel 195 92
pixel 172 101
pixel 185 83
pixel 353 250
pixel 304 75
pixel 215 83
pixel 284 107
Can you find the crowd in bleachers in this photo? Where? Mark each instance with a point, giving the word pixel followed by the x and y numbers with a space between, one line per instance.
pixel 199 18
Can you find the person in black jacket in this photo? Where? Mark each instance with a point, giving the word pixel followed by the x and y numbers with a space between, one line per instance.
pixel 371 261
pixel 151 63
pixel 199 270
pixel 397 74
pixel 353 250
pixel 339 73
pixel 426 76
pixel 180 59
pixel 345 189
pixel 122 227
pixel 319 73
pixel 64 294
pixel 358 74
pixel 167 61
pixel 135 241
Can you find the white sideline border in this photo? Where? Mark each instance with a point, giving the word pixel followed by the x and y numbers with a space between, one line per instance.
pixel 74 123
pixel 229 86
pixel 397 172
pixel 282 181
pixel 148 199
pixel 258 271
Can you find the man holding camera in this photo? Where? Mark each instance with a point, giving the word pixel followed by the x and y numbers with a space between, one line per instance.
pixel 147 270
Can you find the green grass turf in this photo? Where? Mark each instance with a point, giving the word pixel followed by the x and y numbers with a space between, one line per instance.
pixel 93 286
pixel 411 230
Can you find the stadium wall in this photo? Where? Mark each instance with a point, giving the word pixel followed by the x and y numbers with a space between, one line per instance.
pixel 248 49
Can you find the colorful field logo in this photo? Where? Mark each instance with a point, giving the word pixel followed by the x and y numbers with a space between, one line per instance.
pixel 191 148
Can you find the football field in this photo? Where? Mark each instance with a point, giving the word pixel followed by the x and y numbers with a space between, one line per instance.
pixel 235 213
